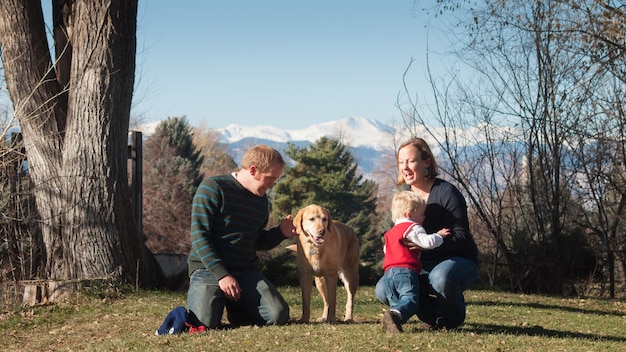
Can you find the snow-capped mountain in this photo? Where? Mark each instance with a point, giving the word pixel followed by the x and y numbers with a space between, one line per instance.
pixel 352 131
pixel 370 142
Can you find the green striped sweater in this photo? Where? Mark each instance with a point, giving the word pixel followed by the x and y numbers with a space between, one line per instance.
pixel 228 227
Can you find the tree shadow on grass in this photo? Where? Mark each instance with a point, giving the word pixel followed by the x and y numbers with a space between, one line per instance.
pixel 547 307
pixel 534 331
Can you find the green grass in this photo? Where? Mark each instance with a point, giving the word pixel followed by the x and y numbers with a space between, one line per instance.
pixel 496 321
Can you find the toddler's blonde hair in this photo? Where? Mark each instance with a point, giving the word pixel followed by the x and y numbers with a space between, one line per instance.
pixel 404 202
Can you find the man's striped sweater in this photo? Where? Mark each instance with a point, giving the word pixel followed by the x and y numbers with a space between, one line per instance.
pixel 228 227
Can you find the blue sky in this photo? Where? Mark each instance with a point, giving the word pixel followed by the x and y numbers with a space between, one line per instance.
pixel 288 64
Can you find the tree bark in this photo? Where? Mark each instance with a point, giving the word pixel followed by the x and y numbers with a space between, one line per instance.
pixel 75 128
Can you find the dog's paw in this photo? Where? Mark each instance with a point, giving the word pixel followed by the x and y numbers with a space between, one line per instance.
pixel 326 320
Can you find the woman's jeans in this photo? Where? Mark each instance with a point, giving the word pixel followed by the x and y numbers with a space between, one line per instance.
pixel 399 289
pixel 441 301
pixel 260 302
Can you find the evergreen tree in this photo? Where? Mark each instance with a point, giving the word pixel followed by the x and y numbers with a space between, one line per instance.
pixel 176 133
pixel 171 177
pixel 326 173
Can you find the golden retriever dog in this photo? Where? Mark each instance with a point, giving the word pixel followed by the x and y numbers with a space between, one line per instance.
pixel 327 250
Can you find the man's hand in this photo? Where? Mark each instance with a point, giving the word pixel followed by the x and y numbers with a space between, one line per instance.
pixel 230 287
pixel 286 226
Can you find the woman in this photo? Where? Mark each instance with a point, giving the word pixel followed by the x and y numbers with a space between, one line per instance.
pixel 451 268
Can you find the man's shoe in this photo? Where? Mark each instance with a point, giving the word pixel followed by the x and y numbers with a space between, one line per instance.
pixel 391 322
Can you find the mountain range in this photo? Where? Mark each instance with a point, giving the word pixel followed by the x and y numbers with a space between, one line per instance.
pixel 371 142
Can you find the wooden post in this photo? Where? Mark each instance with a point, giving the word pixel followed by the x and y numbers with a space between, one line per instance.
pixel 41 292
pixel 32 295
pixel 135 153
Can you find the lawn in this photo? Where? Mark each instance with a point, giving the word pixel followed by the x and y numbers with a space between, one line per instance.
pixel 496 321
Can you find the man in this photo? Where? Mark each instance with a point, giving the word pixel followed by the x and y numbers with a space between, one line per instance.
pixel 228 219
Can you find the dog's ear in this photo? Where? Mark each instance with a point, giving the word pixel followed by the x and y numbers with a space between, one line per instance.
pixel 297 221
pixel 329 226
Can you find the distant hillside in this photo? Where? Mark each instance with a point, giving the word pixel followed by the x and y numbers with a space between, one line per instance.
pixel 353 131
pixel 371 142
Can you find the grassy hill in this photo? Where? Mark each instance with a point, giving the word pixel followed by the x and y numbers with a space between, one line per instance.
pixel 496 321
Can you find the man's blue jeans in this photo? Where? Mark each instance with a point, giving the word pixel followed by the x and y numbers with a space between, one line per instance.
pixel 399 289
pixel 260 302
pixel 444 305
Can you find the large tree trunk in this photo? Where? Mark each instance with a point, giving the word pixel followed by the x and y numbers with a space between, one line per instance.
pixel 74 114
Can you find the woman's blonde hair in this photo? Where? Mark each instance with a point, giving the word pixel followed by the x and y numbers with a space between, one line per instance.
pixel 262 157
pixel 425 153
pixel 404 202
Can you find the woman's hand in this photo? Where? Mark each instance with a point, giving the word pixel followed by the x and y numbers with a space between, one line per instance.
pixel 410 244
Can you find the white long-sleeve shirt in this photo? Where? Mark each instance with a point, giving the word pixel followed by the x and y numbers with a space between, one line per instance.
pixel 418 235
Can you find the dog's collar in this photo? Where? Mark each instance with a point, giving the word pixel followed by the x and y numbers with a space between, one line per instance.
pixel 314 248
